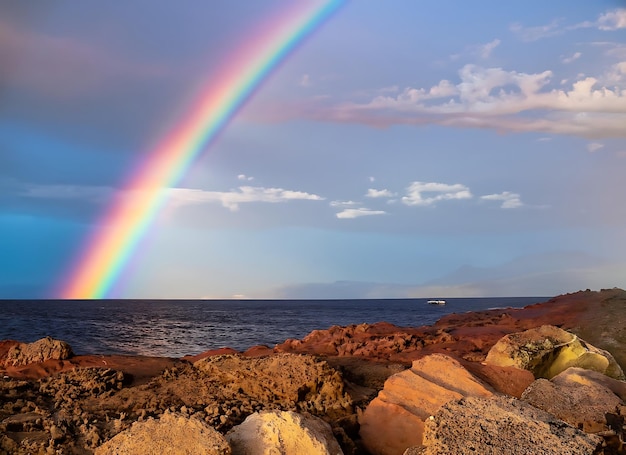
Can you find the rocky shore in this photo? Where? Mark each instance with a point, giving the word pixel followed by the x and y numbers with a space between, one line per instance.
pixel 545 379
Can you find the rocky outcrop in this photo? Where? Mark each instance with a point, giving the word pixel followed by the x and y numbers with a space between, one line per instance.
pixel 579 397
pixel 38 351
pixel 286 381
pixel 502 426
pixel 547 351
pixel 172 434
pixel 394 420
pixel 283 433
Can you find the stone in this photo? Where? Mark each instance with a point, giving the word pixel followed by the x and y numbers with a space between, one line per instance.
pixel 394 420
pixel 547 351
pixel 172 434
pixel 502 425
pixel 283 433
pixel 38 351
pixel 579 397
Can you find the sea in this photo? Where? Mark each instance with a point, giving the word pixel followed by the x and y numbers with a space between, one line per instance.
pixel 175 328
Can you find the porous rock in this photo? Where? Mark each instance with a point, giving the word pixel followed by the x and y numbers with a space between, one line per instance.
pixel 283 433
pixel 547 351
pixel 38 351
pixel 502 425
pixel 394 420
pixel 579 397
pixel 172 434
pixel 303 382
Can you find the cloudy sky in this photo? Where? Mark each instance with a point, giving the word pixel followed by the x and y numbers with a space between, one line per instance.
pixel 405 149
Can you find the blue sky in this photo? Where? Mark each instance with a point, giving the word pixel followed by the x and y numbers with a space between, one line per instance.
pixel 415 149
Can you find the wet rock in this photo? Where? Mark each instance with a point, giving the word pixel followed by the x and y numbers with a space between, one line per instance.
pixel 38 351
pixel 283 433
pixel 171 434
pixel 394 420
pixel 579 397
pixel 547 351
pixel 502 425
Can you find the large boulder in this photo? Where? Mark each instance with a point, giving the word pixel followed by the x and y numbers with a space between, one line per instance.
pixel 501 425
pixel 38 351
pixel 547 351
pixel 283 433
pixel 172 434
pixel 579 397
pixel 394 420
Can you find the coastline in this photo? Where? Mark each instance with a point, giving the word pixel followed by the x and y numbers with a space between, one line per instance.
pixel 112 392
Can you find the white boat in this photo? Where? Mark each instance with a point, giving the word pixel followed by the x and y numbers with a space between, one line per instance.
pixel 436 302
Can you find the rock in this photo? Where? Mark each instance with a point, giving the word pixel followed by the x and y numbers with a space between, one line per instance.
pixel 579 397
pixel 502 425
pixel 284 380
pixel 547 351
pixel 394 420
pixel 38 351
pixel 172 434
pixel 283 433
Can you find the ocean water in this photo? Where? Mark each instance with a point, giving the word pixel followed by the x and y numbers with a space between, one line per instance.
pixel 174 328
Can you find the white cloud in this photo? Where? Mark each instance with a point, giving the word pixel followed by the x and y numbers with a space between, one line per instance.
pixel 594 146
pixel 572 58
pixel 371 179
pixel 245 177
pixel 343 203
pixel 608 21
pixel 612 20
pixel 536 32
pixel 244 194
pixel 379 193
pixel 509 200
pixel 428 193
pixel 356 213
pixel 487 49
pixel 503 100
pixel 544 139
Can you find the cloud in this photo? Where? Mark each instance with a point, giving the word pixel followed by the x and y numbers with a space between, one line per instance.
pixel 343 203
pixel 572 58
pixel 67 192
pixel 498 99
pixel 594 146
pixel 509 200
pixel 372 193
pixel 245 177
pixel 356 213
pixel 612 20
pixel 487 49
pixel 244 194
pixel 62 67
pixel 422 193
pixel 536 32
pixel 371 179
pixel 608 21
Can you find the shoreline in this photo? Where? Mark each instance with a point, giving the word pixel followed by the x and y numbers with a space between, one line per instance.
pixel 132 389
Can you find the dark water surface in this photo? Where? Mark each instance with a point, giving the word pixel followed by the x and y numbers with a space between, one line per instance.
pixel 179 327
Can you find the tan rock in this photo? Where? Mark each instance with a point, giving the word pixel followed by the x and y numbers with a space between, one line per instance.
pixel 283 433
pixel 38 351
pixel 579 397
pixel 547 351
pixel 172 434
pixel 394 420
pixel 499 426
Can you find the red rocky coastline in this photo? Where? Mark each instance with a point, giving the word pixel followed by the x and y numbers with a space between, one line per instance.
pixel 466 384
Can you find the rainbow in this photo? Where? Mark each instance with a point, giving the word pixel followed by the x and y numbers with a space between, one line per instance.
pixel 126 221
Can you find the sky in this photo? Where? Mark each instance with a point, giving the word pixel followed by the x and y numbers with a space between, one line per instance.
pixel 404 149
